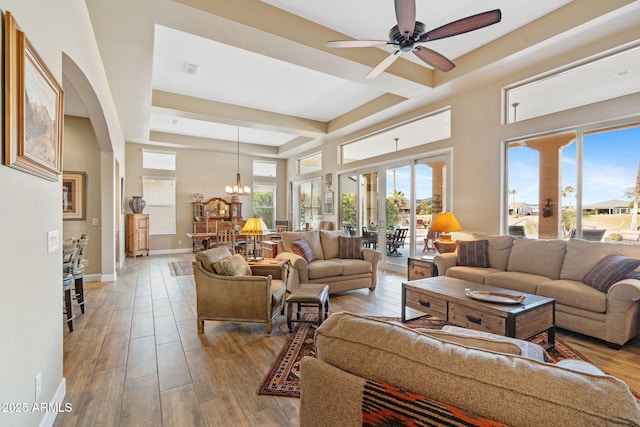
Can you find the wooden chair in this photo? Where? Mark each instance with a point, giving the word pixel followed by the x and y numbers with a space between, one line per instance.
pixel 429 240
pixel 226 235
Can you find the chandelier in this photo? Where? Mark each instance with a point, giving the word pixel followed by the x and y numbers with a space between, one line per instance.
pixel 238 189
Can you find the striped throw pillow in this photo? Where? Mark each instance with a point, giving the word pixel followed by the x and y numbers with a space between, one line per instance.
pixel 609 270
pixel 349 247
pixel 473 253
pixel 302 248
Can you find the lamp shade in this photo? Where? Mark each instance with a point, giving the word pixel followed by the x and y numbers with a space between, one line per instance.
pixel 445 222
pixel 254 227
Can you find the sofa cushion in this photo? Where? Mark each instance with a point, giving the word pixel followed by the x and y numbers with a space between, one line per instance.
pixel 609 270
pixel 302 248
pixel 210 256
pixel 324 268
pixel 234 265
pixel 527 349
pixel 541 257
pixel 582 255
pixel 483 343
pixel 471 274
pixel 311 237
pixel 472 380
pixel 353 266
pixel 499 249
pixel 574 294
pixel 350 247
pixel 473 253
pixel 514 280
pixel 329 242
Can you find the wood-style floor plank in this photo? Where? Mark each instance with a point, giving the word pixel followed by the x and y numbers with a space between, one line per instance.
pixel 135 357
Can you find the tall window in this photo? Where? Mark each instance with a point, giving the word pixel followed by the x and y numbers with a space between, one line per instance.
pixel 310 202
pixel 160 196
pixel 264 168
pixel 264 203
pixel 588 178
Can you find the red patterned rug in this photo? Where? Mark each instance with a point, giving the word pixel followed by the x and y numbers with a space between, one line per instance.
pixel 181 268
pixel 284 377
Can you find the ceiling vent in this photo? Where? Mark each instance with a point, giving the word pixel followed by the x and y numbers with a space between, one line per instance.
pixel 190 68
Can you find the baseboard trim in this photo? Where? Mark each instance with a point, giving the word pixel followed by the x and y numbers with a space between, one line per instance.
pixel 170 251
pixel 57 400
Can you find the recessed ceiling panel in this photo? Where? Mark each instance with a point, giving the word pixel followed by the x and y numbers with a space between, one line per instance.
pixel 219 131
pixel 236 76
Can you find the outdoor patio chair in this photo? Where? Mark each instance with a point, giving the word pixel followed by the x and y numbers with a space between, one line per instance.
pixel 516 230
pixel 429 240
pixel 396 241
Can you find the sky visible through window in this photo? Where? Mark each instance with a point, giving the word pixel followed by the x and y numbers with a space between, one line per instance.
pixel 610 168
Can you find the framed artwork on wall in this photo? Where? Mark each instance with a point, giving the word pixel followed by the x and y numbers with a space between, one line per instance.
pixel 74 192
pixel 33 108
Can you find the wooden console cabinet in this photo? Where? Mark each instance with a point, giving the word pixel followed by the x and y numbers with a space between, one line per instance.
pixel 137 234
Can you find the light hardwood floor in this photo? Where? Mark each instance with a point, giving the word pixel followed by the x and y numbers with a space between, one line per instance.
pixel 135 357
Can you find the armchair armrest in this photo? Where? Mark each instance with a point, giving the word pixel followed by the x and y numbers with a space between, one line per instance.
pixel 273 270
pixel 444 261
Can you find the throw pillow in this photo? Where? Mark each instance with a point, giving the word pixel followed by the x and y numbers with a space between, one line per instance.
pixel 473 253
pixel 609 270
pixel 234 265
pixel 350 247
pixel 302 248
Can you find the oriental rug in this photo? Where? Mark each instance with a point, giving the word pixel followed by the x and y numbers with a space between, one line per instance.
pixel 284 377
pixel 180 268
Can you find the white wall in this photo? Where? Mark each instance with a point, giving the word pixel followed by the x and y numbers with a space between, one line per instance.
pixel 31 319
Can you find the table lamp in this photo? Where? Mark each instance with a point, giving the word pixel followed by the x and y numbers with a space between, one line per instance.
pixel 254 227
pixel 445 223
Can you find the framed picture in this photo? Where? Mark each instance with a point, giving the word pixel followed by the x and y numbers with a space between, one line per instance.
pixel 33 108
pixel 74 195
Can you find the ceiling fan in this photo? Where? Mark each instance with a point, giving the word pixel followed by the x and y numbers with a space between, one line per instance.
pixel 409 33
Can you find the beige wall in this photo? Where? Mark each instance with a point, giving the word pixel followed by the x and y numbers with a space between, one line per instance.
pixel 197 171
pixel 82 154
pixel 30 290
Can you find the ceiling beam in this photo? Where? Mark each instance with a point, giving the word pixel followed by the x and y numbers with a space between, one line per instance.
pixel 219 112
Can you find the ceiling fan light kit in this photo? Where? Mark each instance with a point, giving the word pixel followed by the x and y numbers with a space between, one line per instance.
pixel 409 33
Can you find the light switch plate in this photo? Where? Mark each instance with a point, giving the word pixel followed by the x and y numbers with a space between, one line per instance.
pixel 53 241
pixel 95 221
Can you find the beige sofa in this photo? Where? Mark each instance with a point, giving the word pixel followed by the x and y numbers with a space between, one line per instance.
pixel 341 274
pixel 555 269
pixel 357 358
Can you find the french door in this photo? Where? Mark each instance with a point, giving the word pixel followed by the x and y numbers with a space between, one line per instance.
pixel 380 203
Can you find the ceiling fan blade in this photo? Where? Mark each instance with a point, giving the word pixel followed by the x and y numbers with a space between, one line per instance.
pixel 434 59
pixel 406 16
pixel 383 65
pixel 356 43
pixel 464 25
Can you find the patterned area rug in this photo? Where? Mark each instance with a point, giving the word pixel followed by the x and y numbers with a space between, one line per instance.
pixel 180 268
pixel 284 377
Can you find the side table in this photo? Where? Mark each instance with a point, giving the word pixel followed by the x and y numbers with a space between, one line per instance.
pixel 421 267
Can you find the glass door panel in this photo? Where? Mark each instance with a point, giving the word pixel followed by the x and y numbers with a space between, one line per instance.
pixel 398 214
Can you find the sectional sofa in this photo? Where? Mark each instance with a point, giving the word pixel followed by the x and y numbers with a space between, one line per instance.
pixel 370 372
pixel 558 269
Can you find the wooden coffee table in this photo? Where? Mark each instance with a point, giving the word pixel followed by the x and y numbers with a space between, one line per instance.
pixel 445 298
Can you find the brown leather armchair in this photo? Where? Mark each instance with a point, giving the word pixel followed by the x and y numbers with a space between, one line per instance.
pixel 258 298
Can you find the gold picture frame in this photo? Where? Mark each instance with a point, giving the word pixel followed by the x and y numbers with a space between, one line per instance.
pixel 74 195
pixel 33 108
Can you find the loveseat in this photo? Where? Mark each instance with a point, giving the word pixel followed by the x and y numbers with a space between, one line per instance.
pixel 370 372
pixel 328 257
pixel 558 269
